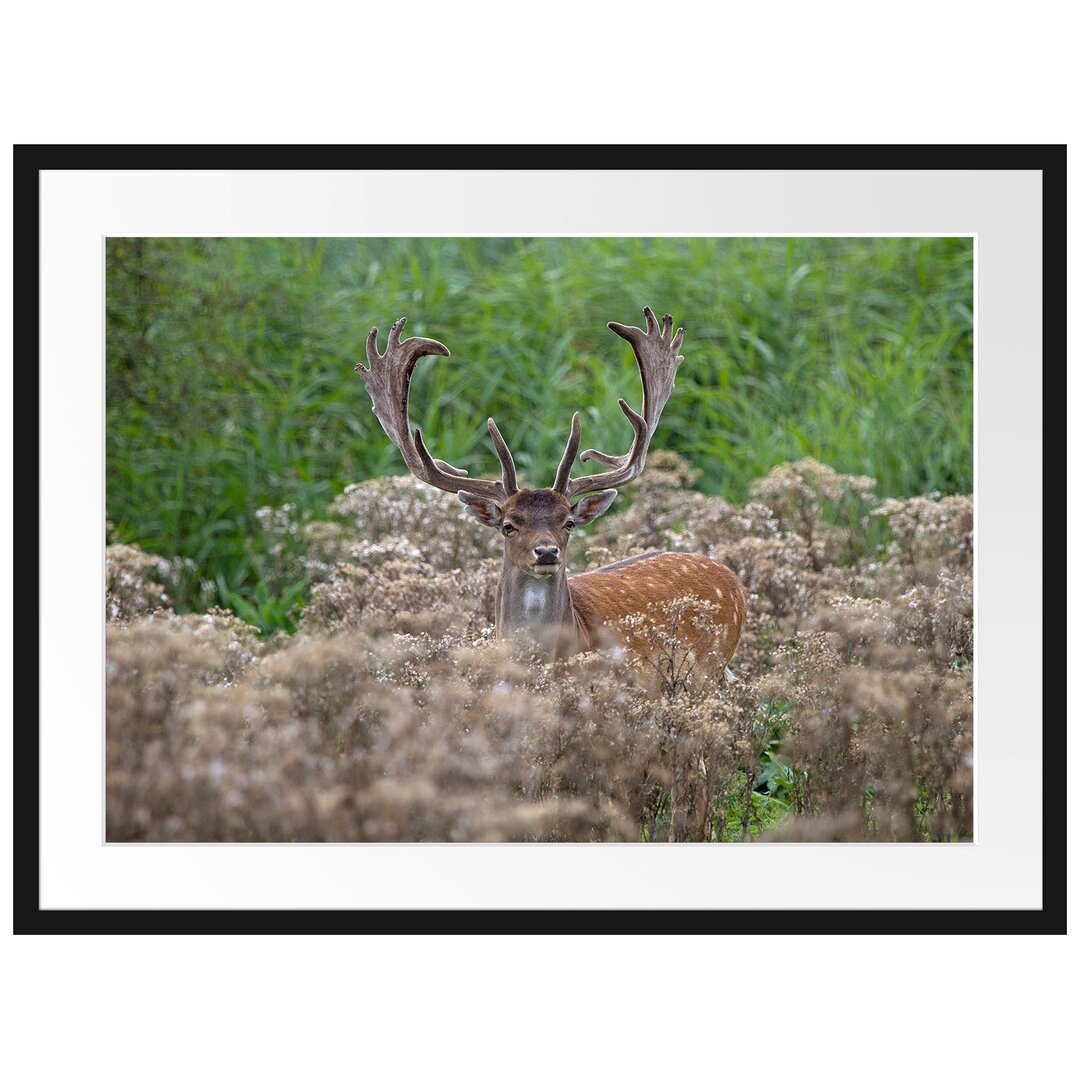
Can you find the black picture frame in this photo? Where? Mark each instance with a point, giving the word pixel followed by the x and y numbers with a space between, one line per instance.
pixel 31 160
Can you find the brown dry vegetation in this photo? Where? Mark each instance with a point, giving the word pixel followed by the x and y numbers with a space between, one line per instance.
pixel 393 715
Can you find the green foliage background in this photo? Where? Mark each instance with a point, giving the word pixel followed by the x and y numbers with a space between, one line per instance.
pixel 230 381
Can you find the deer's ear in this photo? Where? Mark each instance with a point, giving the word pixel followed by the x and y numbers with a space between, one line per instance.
pixel 592 506
pixel 485 511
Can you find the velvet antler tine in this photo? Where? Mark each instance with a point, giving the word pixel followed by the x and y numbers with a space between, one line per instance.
pixel 509 473
pixel 372 346
pixel 562 473
pixel 657 355
pixel 394 338
pixel 422 450
pixel 387 382
pixel 453 470
pixel 627 332
pixel 596 455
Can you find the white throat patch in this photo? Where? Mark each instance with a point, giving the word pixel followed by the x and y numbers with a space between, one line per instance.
pixel 534 597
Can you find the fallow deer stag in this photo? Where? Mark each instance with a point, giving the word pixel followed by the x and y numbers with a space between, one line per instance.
pixel 535 594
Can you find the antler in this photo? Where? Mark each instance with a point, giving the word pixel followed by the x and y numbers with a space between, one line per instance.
pixel 657 354
pixel 387 382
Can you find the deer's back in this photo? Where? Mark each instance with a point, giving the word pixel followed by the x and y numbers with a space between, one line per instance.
pixel 646 592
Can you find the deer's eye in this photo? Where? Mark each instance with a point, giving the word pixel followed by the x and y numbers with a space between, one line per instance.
pixel 568 526
pixel 508 529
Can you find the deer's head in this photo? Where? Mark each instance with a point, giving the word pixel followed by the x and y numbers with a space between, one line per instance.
pixel 535 522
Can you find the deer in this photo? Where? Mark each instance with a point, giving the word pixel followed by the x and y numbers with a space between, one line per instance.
pixel 536 596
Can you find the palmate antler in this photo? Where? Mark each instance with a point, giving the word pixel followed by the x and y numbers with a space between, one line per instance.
pixel 387 382
pixel 657 353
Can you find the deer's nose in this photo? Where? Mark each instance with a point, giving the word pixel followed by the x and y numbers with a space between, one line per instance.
pixel 546 553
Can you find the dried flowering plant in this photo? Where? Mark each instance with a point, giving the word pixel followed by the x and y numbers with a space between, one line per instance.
pixel 393 715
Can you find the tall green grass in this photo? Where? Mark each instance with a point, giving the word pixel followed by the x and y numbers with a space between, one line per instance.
pixel 230 383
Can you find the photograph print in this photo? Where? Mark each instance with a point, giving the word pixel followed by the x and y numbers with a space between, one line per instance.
pixel 539 539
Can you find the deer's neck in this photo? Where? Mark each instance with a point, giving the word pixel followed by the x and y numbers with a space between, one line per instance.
pixel 540 606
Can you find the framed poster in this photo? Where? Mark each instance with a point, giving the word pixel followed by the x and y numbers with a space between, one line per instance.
pixel 314 699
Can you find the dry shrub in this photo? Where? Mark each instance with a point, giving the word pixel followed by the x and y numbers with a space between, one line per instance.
pixel 400 551
pixel 776 572
pixel 713 522
pixel 928 535
pixel 278 546
pixel 657 506
pixel 938 622
pixel 401 590
pixel 881 727
pixel 930 528
pixel 432 522
pixel 499 746
pixel 674 641
pixel 137 583
pixel 941 618
pixel 389 736
pixel 710 744
pixel 805 494
pixel 666 514
pixel 393 715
